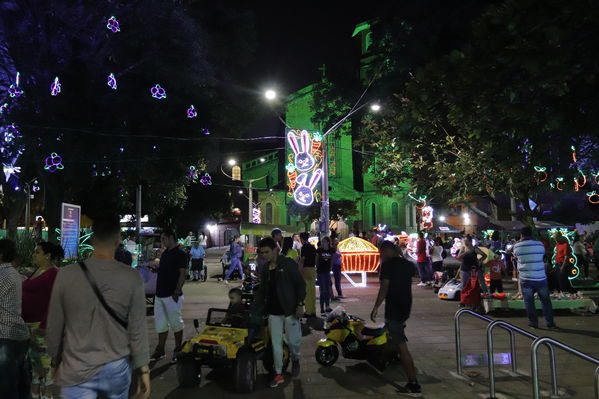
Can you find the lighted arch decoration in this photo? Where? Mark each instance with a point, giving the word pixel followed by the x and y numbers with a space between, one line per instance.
pixel 358 255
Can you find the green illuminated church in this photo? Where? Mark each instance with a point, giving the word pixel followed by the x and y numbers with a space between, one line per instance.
pixel 347 178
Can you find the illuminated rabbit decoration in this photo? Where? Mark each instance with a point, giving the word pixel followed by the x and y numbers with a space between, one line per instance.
pixel 304 161
pixel 304 194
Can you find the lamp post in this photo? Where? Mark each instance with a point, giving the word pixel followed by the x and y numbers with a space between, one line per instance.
pixel 271 95
pixel 324 208
pixel 250 197
pixel 27 190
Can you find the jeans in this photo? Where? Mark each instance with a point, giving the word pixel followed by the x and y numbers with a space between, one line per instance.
pixel 112 381
pixel 310 279
pixel 465 276
pixel 529 288
pixel 290 325
pixel 337 276
pixel 423 272
pixel 14 374
pixel 235 264
pixel 324 288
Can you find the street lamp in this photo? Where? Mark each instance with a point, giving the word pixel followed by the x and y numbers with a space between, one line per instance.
pixel 270 94
pixel 232 162
pixel 441 218
pixel 324 208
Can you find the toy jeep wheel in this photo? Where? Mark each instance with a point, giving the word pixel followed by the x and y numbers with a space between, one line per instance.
pixel 327 355
pixel 188 372
pixel 244 371
pixel 268 362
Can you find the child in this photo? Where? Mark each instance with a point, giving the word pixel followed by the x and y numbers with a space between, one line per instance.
pixel 236 312
pixel 496 268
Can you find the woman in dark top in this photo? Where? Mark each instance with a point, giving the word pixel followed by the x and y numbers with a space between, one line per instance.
pixel 469 256
pixel 324 256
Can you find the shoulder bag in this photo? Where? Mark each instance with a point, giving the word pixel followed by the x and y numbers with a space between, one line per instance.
pixel 111 312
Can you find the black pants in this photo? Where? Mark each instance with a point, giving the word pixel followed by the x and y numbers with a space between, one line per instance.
pixel 337 276
pixel 496 286
pixel 14 371
pixel 437 266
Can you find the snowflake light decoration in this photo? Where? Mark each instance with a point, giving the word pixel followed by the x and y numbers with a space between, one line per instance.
pixel 35 187
pixel 111 81
pixel 55 87
pixel 53 163
pixel 206 180
pixel 206 132
pixel 158 92
pixel 191 112
pixel 10 169
pixel 113 25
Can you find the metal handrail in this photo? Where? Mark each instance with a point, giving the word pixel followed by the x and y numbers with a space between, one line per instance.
pixel 534 364
pixel 512 329
pixel 458 337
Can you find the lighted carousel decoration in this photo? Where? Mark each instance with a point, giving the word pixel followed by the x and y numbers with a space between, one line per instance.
pixel 358 256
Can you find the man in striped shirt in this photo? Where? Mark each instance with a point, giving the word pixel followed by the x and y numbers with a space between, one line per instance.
pixel 531 267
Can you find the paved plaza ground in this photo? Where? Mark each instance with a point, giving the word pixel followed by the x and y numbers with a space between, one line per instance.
pixel 430 331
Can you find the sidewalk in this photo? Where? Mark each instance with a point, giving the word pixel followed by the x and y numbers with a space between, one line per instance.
pixel 430 331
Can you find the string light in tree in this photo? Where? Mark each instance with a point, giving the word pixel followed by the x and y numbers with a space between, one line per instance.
pixel 574 154
pixel 191 112
pixel 158 92
pixel 35 187
pixel 53 163
pixel 10 170
pixel 112 81
pixel 578 183
pixel 595 177
pixel 192 174
pixel 3 108
pixel 14 90
pixel 559 181
pixel 206 132
pixel 542 171
pixel 113 25
pixel 593 197
pixel 55 87
pixel 206 180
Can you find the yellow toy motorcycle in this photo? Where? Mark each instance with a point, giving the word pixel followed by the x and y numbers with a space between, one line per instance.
pixel 355 339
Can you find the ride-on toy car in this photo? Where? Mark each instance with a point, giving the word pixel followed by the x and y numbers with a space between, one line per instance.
pixel 355 339
pixel 451 290
pixel 225 343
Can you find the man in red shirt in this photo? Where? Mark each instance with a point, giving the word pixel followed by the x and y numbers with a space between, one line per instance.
pixel 562 257
pixel 422 260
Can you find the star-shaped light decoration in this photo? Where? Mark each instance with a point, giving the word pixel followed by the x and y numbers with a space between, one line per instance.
pixel 9 170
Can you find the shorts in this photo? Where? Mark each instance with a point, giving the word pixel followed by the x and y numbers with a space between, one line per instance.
pixel 167 314
pixel 396 331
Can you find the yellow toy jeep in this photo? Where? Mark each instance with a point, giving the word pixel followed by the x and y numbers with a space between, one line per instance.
pixel 225 342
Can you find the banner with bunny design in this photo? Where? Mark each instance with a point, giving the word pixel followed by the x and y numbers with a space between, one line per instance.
pixel 304 162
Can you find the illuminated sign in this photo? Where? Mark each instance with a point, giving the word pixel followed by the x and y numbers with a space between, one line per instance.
pixel 256 215
pixel 427 217
pixel 70 223
pixel 304 161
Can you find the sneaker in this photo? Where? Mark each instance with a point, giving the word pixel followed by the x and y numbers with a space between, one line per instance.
pixel 295 368
pixel 413 390
pixel 278 380
pixel 157 355
pixel 329 310
pixel 552 326
pixel 533 326
pixel 421 284
pixel 174 358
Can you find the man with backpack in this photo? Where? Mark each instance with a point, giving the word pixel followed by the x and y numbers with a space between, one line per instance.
pixel 97 330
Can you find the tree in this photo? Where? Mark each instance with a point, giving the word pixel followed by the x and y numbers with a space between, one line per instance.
pixel 476 122
pixel 114 140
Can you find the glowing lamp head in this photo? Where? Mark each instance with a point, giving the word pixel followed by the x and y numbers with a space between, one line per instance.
pixel 441 218
pixel 232 162
pixel 375 107
pixel 270 94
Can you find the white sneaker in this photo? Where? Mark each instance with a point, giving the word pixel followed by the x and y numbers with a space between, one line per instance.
pixel 421 284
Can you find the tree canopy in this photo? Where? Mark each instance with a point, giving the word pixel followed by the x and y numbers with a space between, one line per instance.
pixel 114 138
pixel 511 112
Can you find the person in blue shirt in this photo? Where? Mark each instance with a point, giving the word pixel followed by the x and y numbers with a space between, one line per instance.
pixel 197 253
pixel 235 254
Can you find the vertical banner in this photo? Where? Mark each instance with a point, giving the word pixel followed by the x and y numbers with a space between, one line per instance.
pixel 70 223
pixel 304 161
